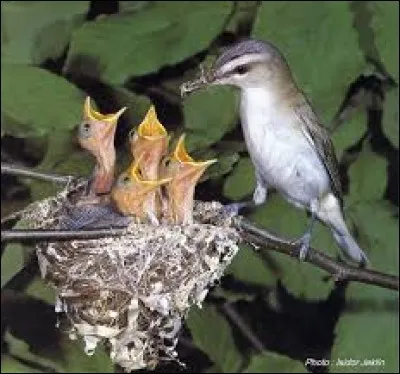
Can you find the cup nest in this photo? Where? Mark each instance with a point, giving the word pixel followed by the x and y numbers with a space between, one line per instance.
pixel 133 292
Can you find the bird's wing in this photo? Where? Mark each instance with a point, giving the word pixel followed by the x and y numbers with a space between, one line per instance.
pixel 320 139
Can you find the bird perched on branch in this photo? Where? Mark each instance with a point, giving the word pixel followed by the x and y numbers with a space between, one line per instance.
pixel 149 143
pixel 290 149
pixel 131 191
pixel 96 134
pixel 185 174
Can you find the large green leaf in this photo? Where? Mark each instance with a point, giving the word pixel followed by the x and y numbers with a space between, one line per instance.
pixel 12 261
pixel 320 45
pixel 242 181
pixel 209 115
pixel 74 359
pixel 33 31
pixel 37 102
pixel 269 362
pixel 212 334
pixel 368 177
pixel 385 23
pixel 132 44
pixel 247 267
pixel 369 327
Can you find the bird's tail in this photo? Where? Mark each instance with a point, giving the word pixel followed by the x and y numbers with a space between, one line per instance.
pixel 330 212
pixel 350 247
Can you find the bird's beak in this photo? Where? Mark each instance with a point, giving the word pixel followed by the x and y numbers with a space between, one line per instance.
pixel 110 119
pixel 206 78
pixel 185 173
pixel 130 197
pixel 150 144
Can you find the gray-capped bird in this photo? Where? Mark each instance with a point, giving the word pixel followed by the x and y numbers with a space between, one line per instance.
pixel 290 149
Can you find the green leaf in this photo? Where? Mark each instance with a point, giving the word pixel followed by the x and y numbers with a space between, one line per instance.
pixel 37 101
pixel 209 114
pixel 37 30
pixel 11 365
pixel 212 334
pixel 390 120
pixel 372 312
pixel 349 133
pixel 320 45
pixel 269 362
pixel 242 181
pixel 132 44
pixel 385 23
pixel 12 261
pixel 74 359
pixel 248 267
pixel 368 177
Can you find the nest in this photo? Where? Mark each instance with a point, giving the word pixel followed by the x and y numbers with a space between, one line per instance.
pixel 133 292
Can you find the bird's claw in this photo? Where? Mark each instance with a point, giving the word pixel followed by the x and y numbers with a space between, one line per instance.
pixel 233 209
pixel 304 243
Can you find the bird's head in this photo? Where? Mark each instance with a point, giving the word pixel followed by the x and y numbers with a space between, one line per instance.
pixel 131 190
pixel 150 142
pixel 246 64
pixel 96 132
pixel 185 173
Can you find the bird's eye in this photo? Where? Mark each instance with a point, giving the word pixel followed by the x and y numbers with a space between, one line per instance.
pixel 131 134
pixel 124 180
pixel 85 130
pixel 241 70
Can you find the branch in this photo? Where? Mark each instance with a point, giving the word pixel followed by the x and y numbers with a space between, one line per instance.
pixel 250 233
pixel 20 171
pixel 37 235
pixel 340 271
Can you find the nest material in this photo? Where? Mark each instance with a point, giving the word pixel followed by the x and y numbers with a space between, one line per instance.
pixel 132 292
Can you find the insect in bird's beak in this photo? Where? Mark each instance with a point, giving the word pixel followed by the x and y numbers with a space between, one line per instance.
pixel 206 78
pixel 185 174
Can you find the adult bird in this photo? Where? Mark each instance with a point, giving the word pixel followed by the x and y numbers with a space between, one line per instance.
pixel 290 149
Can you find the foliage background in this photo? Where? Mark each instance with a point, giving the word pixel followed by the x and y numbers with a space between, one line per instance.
pixel 136 52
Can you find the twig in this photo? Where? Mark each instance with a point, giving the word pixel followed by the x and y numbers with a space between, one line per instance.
pixel 26 172
pixel 243 327
pixel 36 235
pixel 340 271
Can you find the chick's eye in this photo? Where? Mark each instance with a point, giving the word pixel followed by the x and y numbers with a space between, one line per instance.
pixel 85 129
pixel 124 180
pixel 131 134
pixel 241 70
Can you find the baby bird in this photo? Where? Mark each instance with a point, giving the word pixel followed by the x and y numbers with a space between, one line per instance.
pixel 150 144
pixel 185 173
pixel 96 134
pixel 131 191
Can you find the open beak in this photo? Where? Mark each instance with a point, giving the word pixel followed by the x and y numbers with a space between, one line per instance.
pixel 131 192
pixel 185 173
pixel 110 120
pixel 150 144
pixel 205 79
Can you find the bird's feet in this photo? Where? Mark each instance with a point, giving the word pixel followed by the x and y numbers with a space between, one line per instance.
pixel 303 243
pixel 234 208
